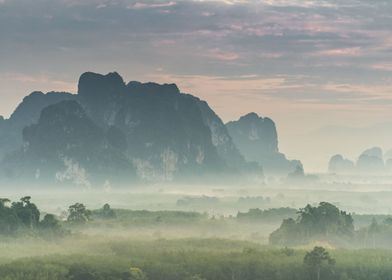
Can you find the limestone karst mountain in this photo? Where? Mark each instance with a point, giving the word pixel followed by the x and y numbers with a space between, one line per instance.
pixel 111 131
pixel 371 161
pixel 340 165
pixel 257 139
pixel 25 114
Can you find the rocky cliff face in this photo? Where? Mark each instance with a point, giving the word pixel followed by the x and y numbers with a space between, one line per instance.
pixel 115 130
pixel 68 147
pixel 257 140
pixel 24 115
pixel 164 130
pixel 221 138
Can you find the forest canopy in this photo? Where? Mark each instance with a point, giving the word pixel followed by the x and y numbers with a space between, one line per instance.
pixel 322 222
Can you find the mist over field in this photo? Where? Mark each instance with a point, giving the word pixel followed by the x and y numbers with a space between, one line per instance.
pixel 195 140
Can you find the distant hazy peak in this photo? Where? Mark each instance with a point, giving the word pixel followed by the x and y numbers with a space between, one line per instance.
pixel 152 88
pixel 340 165
pixel 256 138
pixel 337 157
pixel 373 152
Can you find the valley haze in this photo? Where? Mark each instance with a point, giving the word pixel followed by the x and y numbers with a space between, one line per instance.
pixel 195 140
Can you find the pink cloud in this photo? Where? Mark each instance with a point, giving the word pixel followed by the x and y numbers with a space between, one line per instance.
pixel 223 55
pixel 382 66
pixel 41 82
pixel 341 52
pixel 139 5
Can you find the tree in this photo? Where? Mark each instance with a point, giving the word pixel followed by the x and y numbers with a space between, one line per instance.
pixel 8 220
pixel 317 259
pixel 50 227
pixel 373 230
pixel 50 222
pixel 80 272
pixel 25 215
pixel 78 213
pixel 108 212
pixel 195 277
pixel 3 202
pixel 325 221
pixel 136 273
pixel 27 212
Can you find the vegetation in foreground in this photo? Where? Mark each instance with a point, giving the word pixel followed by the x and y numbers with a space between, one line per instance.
pixel 38 246
pixel 194 259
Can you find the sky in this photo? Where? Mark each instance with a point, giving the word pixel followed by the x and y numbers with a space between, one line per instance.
pixel 314 66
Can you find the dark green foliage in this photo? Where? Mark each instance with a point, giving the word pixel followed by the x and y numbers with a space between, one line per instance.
pixel 24 217
pixel 78 214
pixel 269 215
pixel 50 222
pixel 20 215
pixel 27 212
pixel 50 227
pixel 144 217
pixel 9 221
pixel 136 273
pixel 325 222
pixel 197 201
pixel 318 262
pixel 376 235
pixel 93 271
pixel 198 259
pixel 106 212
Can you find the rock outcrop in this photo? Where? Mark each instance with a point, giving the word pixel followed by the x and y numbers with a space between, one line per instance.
pixel 25 114
pixel 257 140
pixel 370 161
pixel 113 131
pixel 339 165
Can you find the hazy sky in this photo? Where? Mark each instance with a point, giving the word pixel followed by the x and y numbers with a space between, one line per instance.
pixel 305 63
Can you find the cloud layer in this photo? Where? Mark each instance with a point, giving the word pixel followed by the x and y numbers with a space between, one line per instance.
pixel 313 62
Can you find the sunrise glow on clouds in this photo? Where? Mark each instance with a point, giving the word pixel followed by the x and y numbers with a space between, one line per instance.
pixel 308 62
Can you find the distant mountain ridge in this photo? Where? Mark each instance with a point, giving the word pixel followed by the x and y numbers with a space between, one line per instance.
pixel 113 132
pixel 27 113
pixel 372 161
pixel 257 139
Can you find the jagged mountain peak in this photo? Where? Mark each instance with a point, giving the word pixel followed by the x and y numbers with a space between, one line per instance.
pixel 257 139
pixel 254 117
pixel 152 88
pixel 97 85
pixel 149 129
pixel 29 109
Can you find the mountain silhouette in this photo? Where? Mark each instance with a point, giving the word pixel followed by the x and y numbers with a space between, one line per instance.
pixel 257 139
pixel 114 132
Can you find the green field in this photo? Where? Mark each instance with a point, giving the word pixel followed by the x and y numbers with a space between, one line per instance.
pixel 99 257
pixel 107 243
